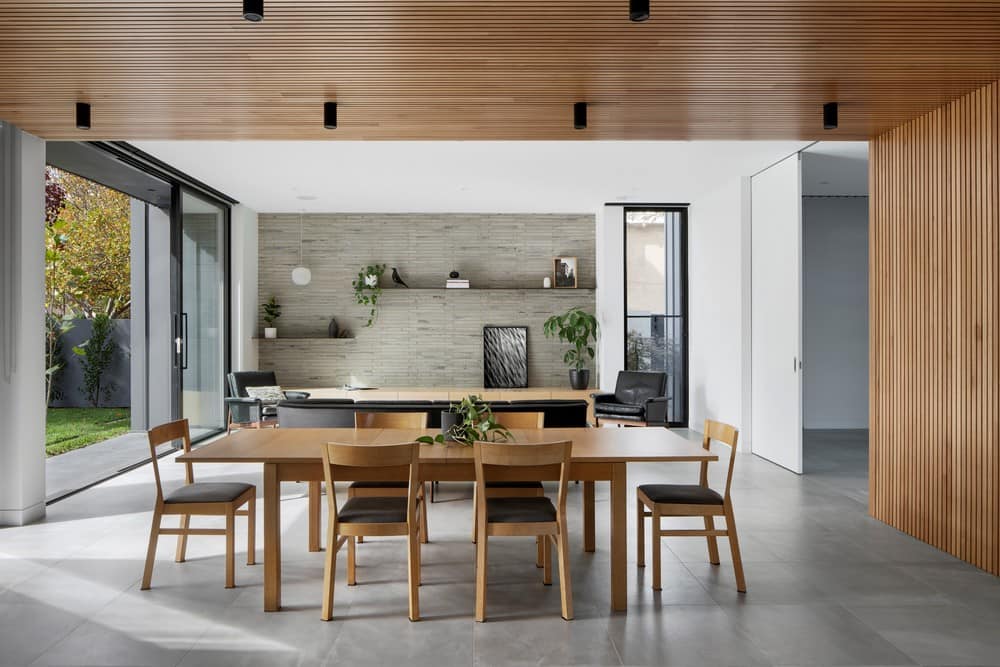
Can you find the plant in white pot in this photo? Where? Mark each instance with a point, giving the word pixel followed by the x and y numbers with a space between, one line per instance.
pixel 578 328
pixel 272 311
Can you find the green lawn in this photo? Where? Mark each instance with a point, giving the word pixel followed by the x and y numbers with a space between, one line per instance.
pixel 72 428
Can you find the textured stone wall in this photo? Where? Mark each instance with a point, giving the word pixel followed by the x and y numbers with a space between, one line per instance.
pixel 422 337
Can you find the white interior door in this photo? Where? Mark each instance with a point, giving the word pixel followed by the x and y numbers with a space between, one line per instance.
pixel 776 314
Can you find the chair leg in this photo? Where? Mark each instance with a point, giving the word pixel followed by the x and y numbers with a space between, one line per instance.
pixel 329 571
pixel 252 529
pixel 231 548
pixel 546 560
pixel 475 514
pixel 413 578
pixel 352 575
pixel 481 575
pixel 423 514
pixel 713 542
pixel 734 546
pixel 540 552
pixel 640 534
pixel 154 533
pixel 655 535
pixel 565 580
pixel 182 539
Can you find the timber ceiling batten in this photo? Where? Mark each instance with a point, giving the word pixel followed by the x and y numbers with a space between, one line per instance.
pixel 496 69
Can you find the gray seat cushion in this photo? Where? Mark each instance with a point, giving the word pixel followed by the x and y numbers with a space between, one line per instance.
pixel 514 485
pixel 681 494
pixel 520 510
pixel 208 492
pixel 373 510
pixel 623 409
pixel 379 485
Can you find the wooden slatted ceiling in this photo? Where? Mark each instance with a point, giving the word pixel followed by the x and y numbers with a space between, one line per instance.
pixel 489 69
pixel 935 328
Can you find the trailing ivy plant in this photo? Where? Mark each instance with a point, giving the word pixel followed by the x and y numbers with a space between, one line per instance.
pixel 367 289
pixel 477 423
pixel 96 356
pixel 578 328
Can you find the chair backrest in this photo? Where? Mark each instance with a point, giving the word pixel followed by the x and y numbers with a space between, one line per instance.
pixel 165 434
pixel 316 413
pixel 393 458
pixel 390 420
pixel 637 387
pixel 497 455
pixel 240 380
pixel 520 419
pixel 727 435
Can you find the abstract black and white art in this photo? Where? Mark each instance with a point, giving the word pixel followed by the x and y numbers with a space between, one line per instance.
pixel 505 357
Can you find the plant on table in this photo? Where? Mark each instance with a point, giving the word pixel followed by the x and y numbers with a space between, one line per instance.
pixel 272 311
pixel 367 290
pixel 578 328
pixel 476 422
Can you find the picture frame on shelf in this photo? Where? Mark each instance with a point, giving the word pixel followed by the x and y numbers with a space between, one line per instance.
pixel 564 272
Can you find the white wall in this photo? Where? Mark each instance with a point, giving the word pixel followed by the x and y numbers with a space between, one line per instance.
pixel 22 331
pixel 835 313
pixel 243 283
pixel 715 288
pixel 610 294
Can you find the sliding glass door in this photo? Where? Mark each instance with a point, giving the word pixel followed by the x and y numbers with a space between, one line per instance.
pixel 656 300
pixel 200 331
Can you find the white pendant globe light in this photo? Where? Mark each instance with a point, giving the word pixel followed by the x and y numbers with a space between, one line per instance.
pixel 300 274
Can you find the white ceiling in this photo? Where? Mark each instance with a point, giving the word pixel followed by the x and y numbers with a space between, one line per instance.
pixel 836 168
pixel 464 176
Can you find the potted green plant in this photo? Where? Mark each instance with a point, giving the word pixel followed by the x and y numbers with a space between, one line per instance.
pixel 272 311
pixel 468 421
pixel 367 289
pixel 578 328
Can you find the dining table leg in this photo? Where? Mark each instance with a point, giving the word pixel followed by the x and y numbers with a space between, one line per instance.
pixel 315 516
pixel 588 517
pixel 619 537
pixel 272 538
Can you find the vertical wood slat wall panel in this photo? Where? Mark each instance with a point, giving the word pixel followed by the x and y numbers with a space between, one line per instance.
pixel 935 328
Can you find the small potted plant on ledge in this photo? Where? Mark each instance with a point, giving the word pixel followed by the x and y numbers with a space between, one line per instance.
pixel 272 311
pixel 578 328
pixel 468 421
pixel 367 289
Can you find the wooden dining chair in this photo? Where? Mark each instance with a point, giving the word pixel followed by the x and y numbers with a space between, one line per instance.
pixel 197 499
pixel 405 420
pixel 692 500
pixel 523 516
pixel 371 515
pixel 518 489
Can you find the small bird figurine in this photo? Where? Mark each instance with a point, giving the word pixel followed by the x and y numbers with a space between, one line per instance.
pixel 396 279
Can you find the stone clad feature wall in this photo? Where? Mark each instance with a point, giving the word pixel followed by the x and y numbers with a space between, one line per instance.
pixel 425 336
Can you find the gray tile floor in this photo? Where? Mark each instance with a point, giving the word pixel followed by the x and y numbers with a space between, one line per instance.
pixel 827 586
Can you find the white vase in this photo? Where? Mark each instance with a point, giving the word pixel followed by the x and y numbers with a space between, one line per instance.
pixel 270 332
pixel 546 282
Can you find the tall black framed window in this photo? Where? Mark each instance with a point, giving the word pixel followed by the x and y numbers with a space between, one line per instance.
pixel 656 299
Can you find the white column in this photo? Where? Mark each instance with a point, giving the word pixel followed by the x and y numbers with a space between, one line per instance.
pixel 611 294
pixel 22 327
pixel 243 285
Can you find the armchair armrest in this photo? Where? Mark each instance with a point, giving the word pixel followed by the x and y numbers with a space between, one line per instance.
pixel 656 410
pixel 602 397
pixel 243 409
pixel 296 395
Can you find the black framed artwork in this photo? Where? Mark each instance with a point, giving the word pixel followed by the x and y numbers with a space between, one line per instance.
pixel 505 357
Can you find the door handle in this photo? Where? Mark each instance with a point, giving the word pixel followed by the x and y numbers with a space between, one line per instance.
pixel 184 358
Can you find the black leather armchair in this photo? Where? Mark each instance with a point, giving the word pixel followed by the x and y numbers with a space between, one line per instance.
pixel 639 399
pixel 246 411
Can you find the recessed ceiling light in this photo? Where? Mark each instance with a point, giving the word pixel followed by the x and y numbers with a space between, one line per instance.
pixel 330 115
pixel 830 114
pixel 580 115
pixel 638 10
pixel 82 116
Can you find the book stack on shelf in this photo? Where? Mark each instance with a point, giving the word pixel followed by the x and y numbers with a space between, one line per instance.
pixel 457 283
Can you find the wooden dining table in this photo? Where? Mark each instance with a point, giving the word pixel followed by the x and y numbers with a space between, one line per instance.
pixel 599 454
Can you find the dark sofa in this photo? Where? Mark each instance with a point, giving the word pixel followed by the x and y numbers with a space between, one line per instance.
pixel 639 399
pixel 340 412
